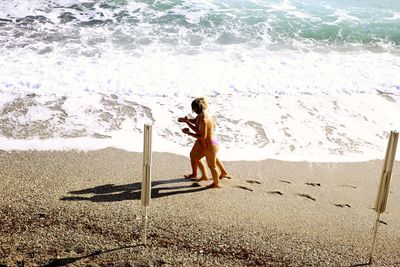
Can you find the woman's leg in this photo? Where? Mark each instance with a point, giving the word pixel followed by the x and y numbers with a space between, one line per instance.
pixel 196 154
pixel 211 157
pixel 193 162
pixel 200 153
pixel 203 171
pixel 222 169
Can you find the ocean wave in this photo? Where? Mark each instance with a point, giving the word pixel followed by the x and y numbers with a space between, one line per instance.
pixel 197 23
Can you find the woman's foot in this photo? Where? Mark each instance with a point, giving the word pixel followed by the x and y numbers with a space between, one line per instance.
pixel 224 175
pixel 203 178
pixel 213 185
pixel 190 176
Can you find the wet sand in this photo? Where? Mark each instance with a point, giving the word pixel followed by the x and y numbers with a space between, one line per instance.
pixel 83 209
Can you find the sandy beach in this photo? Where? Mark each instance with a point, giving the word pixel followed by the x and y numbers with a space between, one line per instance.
pixel 302 99
pixel 74 208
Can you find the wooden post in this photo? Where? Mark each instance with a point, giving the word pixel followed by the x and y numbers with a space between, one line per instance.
pixel 383 192
pixel 146 179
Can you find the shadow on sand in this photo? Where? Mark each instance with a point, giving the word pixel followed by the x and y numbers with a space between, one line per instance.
pixel 67 261
pixel 112 193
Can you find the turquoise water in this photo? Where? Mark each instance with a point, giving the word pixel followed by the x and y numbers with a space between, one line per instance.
pixel 176 23
pixel 318 22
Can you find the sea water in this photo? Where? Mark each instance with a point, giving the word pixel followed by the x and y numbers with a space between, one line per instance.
pixel 293 80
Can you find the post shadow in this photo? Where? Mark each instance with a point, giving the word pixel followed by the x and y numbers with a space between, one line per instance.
pixel 114 193
pixel 71 260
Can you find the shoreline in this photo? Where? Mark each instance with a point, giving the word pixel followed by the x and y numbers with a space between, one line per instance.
pixel 42 145
pixel 84 207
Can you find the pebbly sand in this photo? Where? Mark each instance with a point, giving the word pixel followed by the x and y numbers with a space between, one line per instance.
pixel 83 209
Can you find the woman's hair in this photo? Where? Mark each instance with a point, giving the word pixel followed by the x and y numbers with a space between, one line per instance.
pixel 199 105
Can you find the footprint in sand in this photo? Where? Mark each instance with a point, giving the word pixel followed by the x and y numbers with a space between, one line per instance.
pixel 253 182
pixel 286 182
pixel 346 185
pixel 307 196
pixel 244 188
pixel 313 184
pixel 276 192
pixel 342 205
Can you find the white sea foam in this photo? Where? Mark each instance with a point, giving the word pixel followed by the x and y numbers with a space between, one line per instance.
pixel 304 106
pixel 343 15
pixel 395 16
pixel 91 87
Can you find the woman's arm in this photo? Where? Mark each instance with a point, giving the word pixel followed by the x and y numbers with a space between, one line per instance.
pixel 186 119
pixel 191 125
pixel 198 133
pixel 190 122
pixel 188 132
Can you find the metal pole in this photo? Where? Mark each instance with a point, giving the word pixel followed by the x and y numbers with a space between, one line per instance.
pixel 374 234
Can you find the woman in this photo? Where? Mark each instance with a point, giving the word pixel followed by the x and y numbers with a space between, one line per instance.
pixel 206 144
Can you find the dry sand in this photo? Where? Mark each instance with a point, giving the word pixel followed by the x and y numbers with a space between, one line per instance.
pixel 83 209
